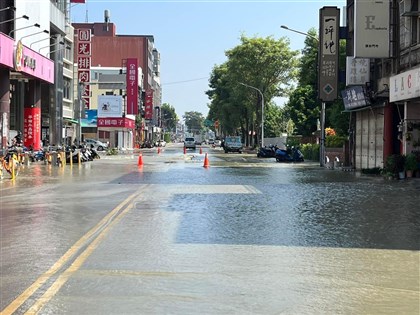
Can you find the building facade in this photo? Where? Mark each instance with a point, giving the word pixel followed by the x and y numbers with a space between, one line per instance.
pixel 110 50
pixel 33 36
pixel 385 113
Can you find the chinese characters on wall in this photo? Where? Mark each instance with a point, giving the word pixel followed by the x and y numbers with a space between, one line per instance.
pixel 84 57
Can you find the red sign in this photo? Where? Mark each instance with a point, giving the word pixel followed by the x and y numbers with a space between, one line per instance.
pixel 83 48
pixel 148 108
pixel 83 35
pixel 77 1
pixel 32 127
pixel 84 59
pixel 84 75
pixel 132 87
pixel 116 122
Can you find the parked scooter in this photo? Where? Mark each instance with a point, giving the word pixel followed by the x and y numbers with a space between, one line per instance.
pixel 289 155
pixel 267 152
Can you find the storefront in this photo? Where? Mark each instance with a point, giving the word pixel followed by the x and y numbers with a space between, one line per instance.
pixel 121 131
pixel 405 95
pixel 112 120
pixel 6 64
pixel 22 72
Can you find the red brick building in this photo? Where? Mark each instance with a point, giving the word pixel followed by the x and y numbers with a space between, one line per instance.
pixel 111 50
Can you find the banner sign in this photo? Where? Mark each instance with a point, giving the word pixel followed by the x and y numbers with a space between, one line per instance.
pixel 32 127
pixel 132 87
pixel 329 27
pixel 404 86
pixel 354 97
pixel 90 119
pixel 371 29
pixel 148 109
pixel 84 58
pixel 110 106
pixel 117 122
pixel 6 51
pixel 357 71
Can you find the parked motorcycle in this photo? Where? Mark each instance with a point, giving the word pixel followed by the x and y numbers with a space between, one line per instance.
pixel 267 152
pixel 289 155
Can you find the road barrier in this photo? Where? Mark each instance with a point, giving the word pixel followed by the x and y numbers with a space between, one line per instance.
pixel 206 161
pixel 140 161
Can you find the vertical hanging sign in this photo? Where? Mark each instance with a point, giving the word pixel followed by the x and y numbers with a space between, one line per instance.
pixel 148 110
pixel 32 127
pixel 132 107
pixel 84 55
pixel 329 24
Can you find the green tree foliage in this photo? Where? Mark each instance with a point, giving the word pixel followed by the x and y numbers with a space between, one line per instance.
pixel 303 106
pixel 275 123
pixel 194 121
pixel 263 63
pixel 169 117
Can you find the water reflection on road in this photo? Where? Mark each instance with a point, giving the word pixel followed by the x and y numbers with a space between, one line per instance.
pixel 263 238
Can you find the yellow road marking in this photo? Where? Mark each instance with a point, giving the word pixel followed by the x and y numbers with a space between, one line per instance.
pixel 15 304
pixel 64 277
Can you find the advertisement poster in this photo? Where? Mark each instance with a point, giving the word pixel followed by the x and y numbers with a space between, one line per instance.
pixel 32 128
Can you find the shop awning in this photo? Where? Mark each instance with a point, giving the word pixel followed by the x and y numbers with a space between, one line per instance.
pixel 70 120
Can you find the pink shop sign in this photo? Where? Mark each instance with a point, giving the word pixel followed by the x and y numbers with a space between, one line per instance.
pixel 6 50
pixel 32 63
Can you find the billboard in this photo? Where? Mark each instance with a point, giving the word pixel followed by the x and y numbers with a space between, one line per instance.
pixel 132 86
pixel 371 29
pixel 357 71
pixel 84 56
pixel 148 107
pixel 354 97
pixel 329 28
pixel 32 127
pixel 110 106
pixel 91 118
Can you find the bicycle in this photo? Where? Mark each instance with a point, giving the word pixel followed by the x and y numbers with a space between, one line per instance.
pixel 10 163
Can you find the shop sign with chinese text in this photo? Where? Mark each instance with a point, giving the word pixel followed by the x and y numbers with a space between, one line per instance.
pixel 329 50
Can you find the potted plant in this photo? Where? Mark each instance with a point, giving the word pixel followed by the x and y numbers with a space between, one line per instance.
pixel 410 164
pixel 394 166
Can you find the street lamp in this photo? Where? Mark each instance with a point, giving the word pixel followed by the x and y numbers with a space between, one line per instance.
pixel 40 40
pixel 44 31
pixel 67 47
pixel 20 17
pixel 322 122
pixel 22 28
pixel 61 43
pixel 8 8
pixel 262 110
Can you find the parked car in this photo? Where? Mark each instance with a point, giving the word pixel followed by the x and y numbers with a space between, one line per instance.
pixel 161 143
pixel 97 145
pixel 210 141
pixel 233 144
pixel 189 143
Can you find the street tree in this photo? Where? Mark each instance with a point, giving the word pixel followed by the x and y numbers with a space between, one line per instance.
pixel 169 117
pixel 194 121
pixel 263 63
pixel 303 106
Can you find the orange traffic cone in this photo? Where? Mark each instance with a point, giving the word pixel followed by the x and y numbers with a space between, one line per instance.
pixel 140 162
pixel 185 150
pixel 158 150
pixel 206 161
pixel 201 151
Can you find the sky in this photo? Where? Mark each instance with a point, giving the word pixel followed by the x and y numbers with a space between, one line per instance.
pixel 192 36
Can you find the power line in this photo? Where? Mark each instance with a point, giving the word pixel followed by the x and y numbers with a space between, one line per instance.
pixel 191 80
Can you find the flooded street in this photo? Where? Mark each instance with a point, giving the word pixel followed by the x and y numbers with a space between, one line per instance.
pixel 244 236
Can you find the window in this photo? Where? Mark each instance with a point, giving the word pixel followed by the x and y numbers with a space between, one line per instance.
pixel 409 23
pixel 67 88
